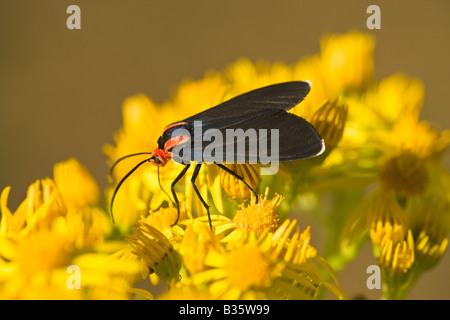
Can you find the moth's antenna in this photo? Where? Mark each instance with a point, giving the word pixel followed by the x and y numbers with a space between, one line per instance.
pixel 123 158
pixel 122 181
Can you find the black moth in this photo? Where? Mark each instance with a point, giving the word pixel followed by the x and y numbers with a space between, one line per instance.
pixel 261 110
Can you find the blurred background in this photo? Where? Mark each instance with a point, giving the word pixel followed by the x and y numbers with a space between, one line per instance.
pixel 61 90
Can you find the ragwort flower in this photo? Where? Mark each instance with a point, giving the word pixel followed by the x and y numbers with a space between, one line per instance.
pixel 48 233
pixel 271 266
pixel 404 177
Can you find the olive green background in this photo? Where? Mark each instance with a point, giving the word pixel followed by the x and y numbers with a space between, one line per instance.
pixel 61 90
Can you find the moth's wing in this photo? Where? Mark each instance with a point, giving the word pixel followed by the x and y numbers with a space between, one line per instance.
pixel 281 96
pixel 271 135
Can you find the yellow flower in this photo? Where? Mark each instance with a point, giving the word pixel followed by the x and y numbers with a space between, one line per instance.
pixel 419 138
pixel 41 239
pixel 74 198
pixel 155 251
pixel 428 221
pixel 42 204
pixel 390 146
pixel 105 277
pixel 77 186
pixel 389 231
pixel 255 218
pixel 42 250
pixel 249 268
pixel 431 243
pixel 271 266
pixel 390 235
pixel 198 240
pixel 298 250
pixel 385 217
pixel 347 60
pixel 398 97
pixel 329 121
pixel 163 220
pixel 34 266
pixel 235 188
pixel 261 216
pixel 397 254
pixel 193 96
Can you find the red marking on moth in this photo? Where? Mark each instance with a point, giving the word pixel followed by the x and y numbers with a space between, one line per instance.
pixel 173 125
pixel 175 141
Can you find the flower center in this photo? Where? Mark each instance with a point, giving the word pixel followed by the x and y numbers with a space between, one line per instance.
pixel 404 173
pixel 261 216
pixel 248 268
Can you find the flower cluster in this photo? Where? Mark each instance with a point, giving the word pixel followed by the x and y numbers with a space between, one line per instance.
pixel 380 179
pixel 61 224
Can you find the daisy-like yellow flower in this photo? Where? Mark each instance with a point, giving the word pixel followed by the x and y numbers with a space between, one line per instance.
pixel 255 217
pixel 347 60
pixel 271 266
pixel 104 276
pixel 252 256
pixel 420 138
pixel 47 200
pixel 77 186
pixel 397 97
pixel 163 220
pixel 198 240
pixel 156 252
pixel 43 204
pixel 57 221
pixel 261 216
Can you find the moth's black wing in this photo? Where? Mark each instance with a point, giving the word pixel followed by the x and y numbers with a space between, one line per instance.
pixel 281 96
pixel 261 111
pixel 272 136
pixel 279 136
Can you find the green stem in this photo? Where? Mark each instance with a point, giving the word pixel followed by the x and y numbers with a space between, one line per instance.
pixel 397 286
